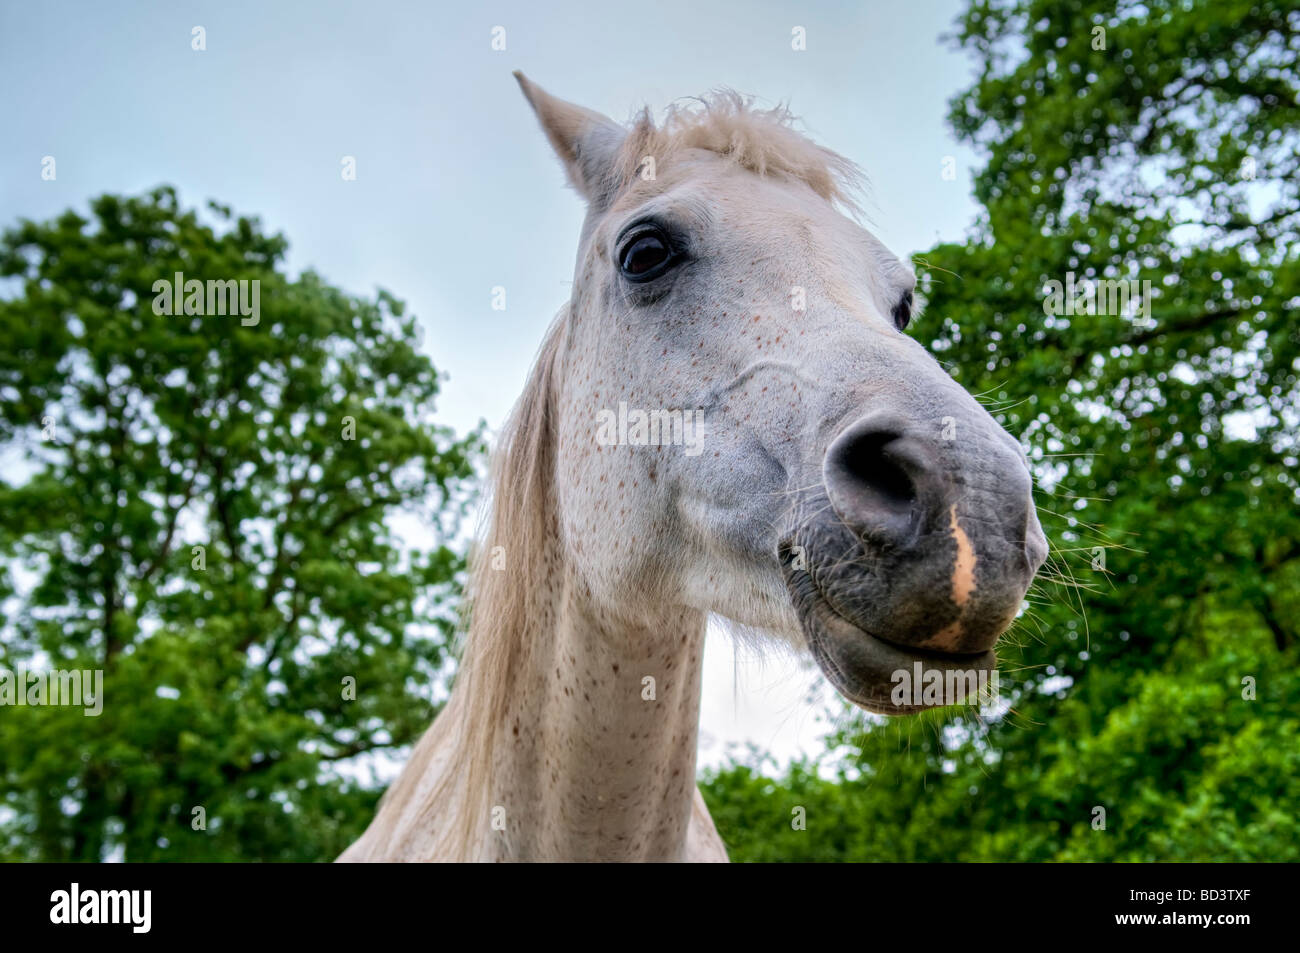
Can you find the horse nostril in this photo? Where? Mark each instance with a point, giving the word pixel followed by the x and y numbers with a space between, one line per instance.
pixel 866 459
pixel 869 478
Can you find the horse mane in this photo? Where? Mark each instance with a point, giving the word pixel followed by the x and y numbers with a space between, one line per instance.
pixel 521 516
pixel 763 141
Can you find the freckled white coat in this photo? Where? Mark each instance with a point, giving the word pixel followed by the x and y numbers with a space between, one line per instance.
pixel 778 318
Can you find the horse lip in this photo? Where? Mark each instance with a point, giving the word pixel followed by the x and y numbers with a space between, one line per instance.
pixel 861 665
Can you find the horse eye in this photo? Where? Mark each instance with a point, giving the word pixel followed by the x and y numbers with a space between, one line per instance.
pixel 902 312
pixel 645 256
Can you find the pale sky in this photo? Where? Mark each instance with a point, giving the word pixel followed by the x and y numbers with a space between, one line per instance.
pixel 457 191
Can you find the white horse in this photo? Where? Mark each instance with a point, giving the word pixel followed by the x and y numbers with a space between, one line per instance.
pixel 726 418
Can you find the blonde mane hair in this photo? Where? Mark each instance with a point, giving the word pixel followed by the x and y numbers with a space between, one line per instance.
pixel 521 515
pixel 763 141
pixel 521 508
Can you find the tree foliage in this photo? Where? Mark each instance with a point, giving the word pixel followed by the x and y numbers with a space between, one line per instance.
pixel 199 507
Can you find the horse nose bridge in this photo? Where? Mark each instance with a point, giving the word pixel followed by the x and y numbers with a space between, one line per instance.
pixel 876 370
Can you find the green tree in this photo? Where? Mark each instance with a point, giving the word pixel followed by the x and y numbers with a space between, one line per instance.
pixel 1155 677
pixel 197 504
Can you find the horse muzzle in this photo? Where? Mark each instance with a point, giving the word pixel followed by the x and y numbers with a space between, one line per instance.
pixel 915 556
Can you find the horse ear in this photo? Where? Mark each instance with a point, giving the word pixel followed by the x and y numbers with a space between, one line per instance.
pixel 587 143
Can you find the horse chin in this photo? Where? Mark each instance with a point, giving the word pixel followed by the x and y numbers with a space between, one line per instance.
pixel 865 668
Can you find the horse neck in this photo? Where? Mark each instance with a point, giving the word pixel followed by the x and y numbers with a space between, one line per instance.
pixel 560 747
pixel 594 755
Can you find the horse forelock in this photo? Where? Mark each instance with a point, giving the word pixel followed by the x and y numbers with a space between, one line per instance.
pixel 763 141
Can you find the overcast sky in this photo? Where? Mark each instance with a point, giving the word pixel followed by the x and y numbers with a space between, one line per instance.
pixel 456 190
